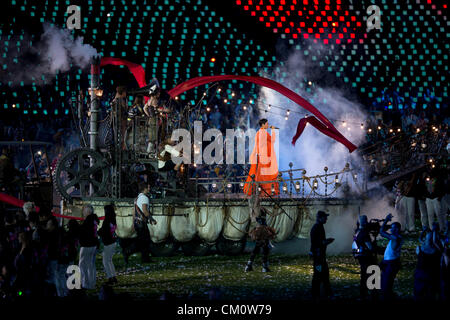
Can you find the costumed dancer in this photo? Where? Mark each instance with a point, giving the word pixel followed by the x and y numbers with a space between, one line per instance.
pixel 261 234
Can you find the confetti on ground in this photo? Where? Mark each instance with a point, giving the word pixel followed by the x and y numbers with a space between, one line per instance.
pixel 290 278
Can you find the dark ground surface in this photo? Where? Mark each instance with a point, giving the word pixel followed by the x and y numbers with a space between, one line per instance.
pixel 191 277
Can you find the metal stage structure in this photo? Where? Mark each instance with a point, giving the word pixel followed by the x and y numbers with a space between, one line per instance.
pixel 194 213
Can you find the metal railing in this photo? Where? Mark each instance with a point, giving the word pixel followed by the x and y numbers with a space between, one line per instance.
pixel 324 185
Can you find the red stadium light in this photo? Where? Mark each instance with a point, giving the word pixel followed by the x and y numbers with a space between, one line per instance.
pixel 314 17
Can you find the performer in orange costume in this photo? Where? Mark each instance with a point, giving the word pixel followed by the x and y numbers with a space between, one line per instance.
pixel 263 162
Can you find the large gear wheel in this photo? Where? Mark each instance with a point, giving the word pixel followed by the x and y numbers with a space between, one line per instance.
pixel 74 175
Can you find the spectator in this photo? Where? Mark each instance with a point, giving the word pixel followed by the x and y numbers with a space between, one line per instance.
pixel 23 265
pixel 407 204
pixel 421 195
pixel 51 241
pixel 108 235
pixel 435 193
pixel 445 265
pixel 88 244
pixel 426 277
pixel 67 255
pixel 422 121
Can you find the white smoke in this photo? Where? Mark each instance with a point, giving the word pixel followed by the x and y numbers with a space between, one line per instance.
pixel 57 51
pixel 313 150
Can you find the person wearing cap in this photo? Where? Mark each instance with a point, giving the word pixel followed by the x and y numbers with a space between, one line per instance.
pixel 319 244
pixel 261 234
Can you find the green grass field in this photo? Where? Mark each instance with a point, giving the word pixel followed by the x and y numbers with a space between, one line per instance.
pixel 193 277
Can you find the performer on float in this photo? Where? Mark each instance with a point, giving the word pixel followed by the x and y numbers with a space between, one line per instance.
pixel 263 162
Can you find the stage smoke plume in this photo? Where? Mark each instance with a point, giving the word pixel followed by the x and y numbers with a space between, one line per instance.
pixel 313 150
pixel 57 51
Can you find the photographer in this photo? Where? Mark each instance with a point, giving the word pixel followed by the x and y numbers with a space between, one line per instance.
pixel 319 245
pixel 390 265
pixel 364 249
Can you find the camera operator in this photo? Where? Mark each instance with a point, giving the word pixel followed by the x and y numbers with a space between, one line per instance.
pixel 364 249
pixel 390 265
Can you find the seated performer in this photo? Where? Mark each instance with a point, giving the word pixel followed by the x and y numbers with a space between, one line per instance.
pixel 263 162
pixel 165 162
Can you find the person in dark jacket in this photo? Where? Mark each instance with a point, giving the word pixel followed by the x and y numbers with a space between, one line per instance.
pixel 23 264
pixel 319 244
pixel 445 266
pixel 436 192
pixel 108 235
pixel 88 244
pixel 426 276
pixel 51 243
